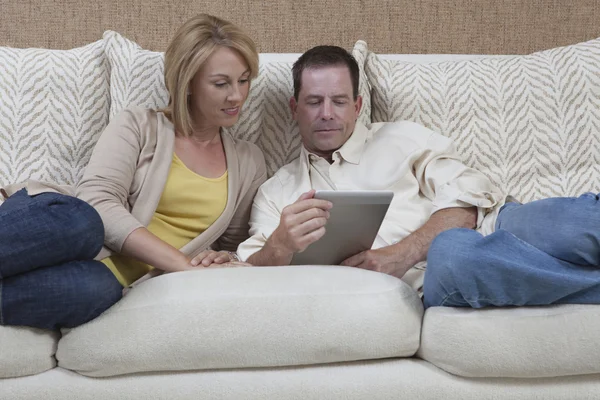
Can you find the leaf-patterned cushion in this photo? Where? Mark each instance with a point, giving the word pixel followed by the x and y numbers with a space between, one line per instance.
pixel 53 106
pixel 531 123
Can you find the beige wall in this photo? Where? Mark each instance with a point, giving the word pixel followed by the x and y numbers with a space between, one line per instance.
pixel 388 26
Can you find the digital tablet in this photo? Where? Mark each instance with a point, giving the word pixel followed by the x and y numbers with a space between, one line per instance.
pixel 354 221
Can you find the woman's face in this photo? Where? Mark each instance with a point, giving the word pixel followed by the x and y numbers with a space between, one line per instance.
pixel 219 89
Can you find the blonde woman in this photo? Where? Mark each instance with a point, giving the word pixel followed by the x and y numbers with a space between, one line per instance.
pixel 170 184
pixel 172 189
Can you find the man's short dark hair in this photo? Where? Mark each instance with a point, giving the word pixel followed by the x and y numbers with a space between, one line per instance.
pixel 325 56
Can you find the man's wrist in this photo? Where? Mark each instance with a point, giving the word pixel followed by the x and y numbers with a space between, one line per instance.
pixel 276 253
pixel 233 256
pixel 407 255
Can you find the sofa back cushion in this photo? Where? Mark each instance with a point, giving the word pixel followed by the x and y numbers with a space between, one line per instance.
pixel 529 122
pixel 53 106
pixel 137 79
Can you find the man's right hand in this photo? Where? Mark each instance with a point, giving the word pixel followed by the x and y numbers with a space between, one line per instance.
pixel 301 224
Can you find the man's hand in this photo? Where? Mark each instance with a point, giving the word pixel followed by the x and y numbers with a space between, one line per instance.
pixel 398 258
pixel 388 260
pixel 230 264
pixel 301 224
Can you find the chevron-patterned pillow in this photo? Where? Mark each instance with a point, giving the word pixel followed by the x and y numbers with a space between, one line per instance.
pixel 137 79
pixel 53 106
pixel 531 123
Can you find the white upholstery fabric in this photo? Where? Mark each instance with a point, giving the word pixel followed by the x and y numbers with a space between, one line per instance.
pixel 527 342
pixel 404 379
pixel 26 351
pixel 53 107
pixel 528 122
pixel 435 58
pixel 248 317
pixel 413 58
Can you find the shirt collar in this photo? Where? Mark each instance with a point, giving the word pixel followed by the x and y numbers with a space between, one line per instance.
pixel 352 150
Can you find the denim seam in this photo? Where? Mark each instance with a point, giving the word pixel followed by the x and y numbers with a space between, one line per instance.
pixel 469 302
pixel 443 303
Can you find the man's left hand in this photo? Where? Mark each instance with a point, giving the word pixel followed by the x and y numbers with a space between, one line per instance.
pixel 386 260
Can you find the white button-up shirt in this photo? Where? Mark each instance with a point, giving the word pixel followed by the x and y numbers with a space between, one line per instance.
pixel 420 166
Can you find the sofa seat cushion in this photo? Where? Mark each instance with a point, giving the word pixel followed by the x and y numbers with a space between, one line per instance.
pixel 248 317
pixel 136 78
pixel 528 342
pixel 530 122
pixel 393 379
pixel 53 107
pixel 26 351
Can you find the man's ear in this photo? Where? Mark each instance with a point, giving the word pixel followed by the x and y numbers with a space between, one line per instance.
pixel 358 105
pixel 293 107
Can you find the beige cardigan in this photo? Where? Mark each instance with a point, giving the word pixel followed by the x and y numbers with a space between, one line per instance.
pixel 127 172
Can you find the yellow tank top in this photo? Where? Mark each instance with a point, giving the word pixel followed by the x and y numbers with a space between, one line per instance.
pixel 189 204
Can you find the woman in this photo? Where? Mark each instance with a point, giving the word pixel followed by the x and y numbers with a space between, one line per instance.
pixel 173 190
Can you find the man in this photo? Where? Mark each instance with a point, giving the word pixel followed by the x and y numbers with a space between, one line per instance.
pixel 523 259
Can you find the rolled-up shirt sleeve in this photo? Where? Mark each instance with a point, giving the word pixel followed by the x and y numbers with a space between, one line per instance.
pixel 264 218
pixel 448 183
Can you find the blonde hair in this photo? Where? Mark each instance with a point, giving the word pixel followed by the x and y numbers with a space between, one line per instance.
pixel 195 41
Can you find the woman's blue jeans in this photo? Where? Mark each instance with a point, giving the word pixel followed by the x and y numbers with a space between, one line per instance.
pixel 543 252
pixel 48 278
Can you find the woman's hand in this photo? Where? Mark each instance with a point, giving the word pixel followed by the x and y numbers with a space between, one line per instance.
pixel 209 257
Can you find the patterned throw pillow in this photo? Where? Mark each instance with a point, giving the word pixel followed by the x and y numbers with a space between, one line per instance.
pixel 53 106
pixel 531 123
pixel 137 79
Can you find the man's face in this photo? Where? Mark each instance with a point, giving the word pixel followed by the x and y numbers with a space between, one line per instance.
pixel 325 110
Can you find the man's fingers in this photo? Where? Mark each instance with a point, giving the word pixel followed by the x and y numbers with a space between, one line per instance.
pixel 307 204
pixel 306 195
pixel 309 226
pixel 230 264
pixel 367 265
pixel 355 260
pixel 303 217
pixel 369 261
pixel 312 237
pixel 297 214
pixel 239 264
pixel 221 258
pixel 198 259
pixel 308 215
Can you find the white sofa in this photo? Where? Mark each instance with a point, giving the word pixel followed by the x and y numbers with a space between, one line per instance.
pixel 313 332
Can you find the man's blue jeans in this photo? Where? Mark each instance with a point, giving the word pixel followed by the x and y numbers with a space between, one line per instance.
pixel 543 252
pixel 48 278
